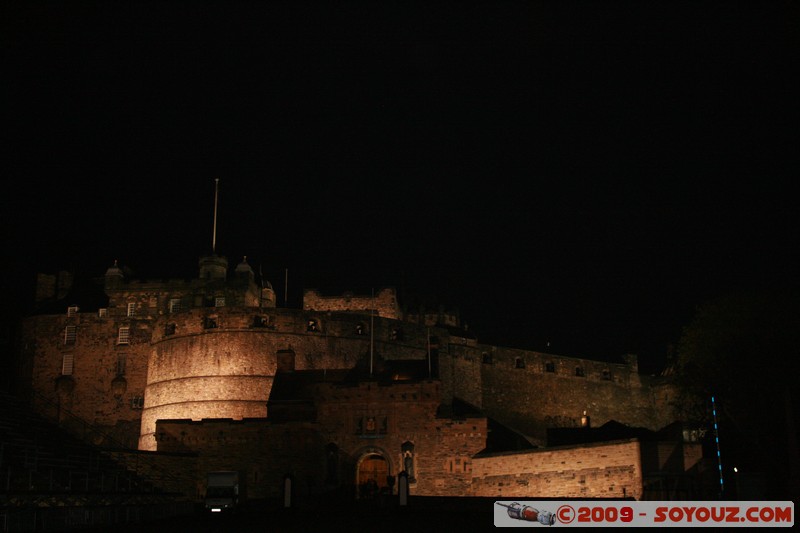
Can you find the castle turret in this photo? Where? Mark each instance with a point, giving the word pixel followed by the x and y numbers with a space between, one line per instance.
pixel 213 267
pixel 114 276
pixel 267 294
pixel 244 272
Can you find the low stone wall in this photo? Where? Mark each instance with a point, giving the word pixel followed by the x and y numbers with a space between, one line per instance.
pixel 603 470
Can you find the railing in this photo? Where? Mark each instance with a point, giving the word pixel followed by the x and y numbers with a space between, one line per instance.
pixel 140 472
pixel 61 518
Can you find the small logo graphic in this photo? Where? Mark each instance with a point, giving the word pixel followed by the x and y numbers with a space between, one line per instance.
pixel 565 514
pixel 525 512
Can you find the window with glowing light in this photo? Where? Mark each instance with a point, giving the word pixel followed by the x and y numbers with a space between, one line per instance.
pixel 124 335
pixel 67 361
pixel 132 309
pixel 70 334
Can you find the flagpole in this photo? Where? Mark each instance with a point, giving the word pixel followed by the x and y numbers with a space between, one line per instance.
pixel 214 236
pixel 429 353
pixel 371 331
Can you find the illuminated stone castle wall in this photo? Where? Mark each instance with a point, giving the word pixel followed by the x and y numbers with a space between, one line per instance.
pixel 196 371
pixel 104 383
pixel 210 348
pixel 382 303
pixel 532 391
pixel 327 452
pixel 601 470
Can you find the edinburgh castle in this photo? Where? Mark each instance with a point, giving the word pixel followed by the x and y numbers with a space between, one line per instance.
pixel 213 374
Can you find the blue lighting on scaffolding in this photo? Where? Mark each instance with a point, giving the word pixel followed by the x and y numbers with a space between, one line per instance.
pixel 716 439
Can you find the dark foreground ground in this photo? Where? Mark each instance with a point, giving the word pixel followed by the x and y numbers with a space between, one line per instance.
pixel 421 514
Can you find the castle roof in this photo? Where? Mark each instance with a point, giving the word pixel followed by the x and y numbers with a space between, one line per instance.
pixel 611 430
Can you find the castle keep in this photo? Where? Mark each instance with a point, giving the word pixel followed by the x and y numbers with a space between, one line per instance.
pixel 347 389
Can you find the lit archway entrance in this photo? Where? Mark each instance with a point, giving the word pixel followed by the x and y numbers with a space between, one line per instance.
pixel 373 469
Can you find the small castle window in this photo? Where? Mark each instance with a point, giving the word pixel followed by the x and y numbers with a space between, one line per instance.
pixel 549 367
pixel 360 329
pixel 210 322
pixel 102 312
pixel 579 372
pixel 170 329
pixel 606 375
pixel 519 362
pixel 121 363
pixel 312 325
pixel 219 301
pixel 137 402
pixel 70 333
pixel 67 361
pixel 260 321
pixel 396 334
pixel 486 358
pixel 174 305
pixel 72 310
pixel 124 335
pixel 131 308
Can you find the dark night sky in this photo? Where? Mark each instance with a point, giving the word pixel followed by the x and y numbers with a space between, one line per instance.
pixel 583 173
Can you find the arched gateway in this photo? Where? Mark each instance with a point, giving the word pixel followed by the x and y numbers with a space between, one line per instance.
pixel 372 473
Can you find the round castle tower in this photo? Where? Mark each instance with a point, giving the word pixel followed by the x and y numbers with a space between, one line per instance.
pixel 215 354
pixel 207 361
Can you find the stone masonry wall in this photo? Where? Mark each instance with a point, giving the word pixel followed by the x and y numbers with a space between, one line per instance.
pixel 604 470
pixel 266 452
pixel 531 391
pixel 384 303
pixel 91 392
pixel 442 446
pixel 226 371
pixel 262 452
pixel 217 374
